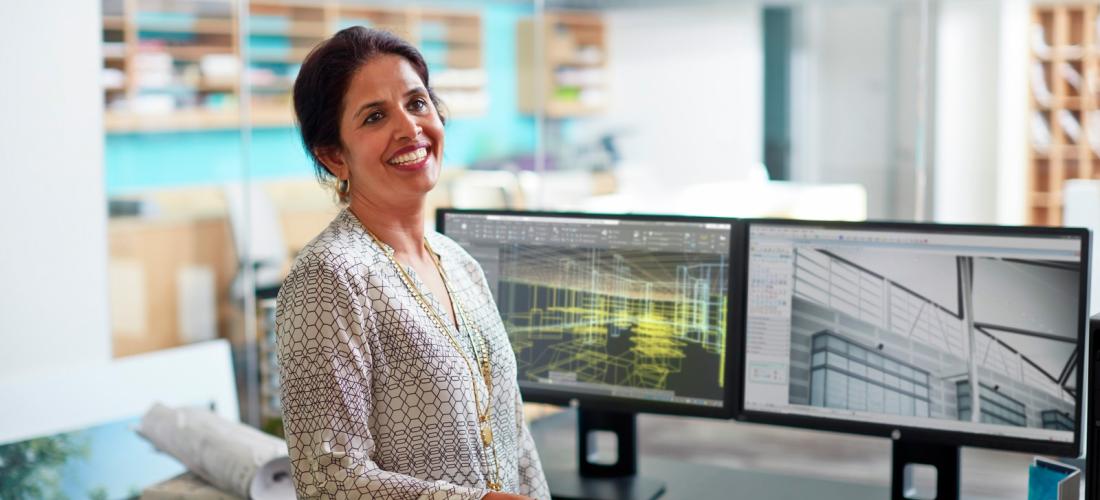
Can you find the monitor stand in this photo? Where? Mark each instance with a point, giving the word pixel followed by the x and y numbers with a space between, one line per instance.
pixel 596 481
pixel 945 458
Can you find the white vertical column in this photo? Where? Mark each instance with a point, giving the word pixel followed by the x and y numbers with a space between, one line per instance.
pixel 53 215
pixel 966 111
pixel 1012 119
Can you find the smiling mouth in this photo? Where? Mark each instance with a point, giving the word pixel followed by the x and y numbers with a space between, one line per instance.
pixel 409 158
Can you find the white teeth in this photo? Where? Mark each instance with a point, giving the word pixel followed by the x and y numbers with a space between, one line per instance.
pixel 409 157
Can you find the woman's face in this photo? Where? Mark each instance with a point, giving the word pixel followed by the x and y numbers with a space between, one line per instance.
pixel 391 133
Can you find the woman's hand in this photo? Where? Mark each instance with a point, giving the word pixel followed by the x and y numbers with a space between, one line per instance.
pixel 496 495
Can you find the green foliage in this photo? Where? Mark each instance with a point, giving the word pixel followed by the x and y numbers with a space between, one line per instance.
pixel 273 426
pixel 99 493
pixel 32 468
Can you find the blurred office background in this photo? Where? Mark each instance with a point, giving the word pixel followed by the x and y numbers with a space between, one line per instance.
pixel 155 189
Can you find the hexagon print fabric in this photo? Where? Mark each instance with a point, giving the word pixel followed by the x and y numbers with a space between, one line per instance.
pixel 377 401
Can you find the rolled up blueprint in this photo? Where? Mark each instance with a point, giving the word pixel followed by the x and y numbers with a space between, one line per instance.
pixel 230 456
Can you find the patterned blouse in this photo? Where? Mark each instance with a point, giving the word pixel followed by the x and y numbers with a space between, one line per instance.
pixel 377 402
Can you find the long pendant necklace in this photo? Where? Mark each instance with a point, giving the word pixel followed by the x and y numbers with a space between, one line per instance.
pixel 483 416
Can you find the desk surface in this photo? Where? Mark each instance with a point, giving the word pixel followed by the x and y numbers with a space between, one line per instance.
pixel 684 480
pixel 707 476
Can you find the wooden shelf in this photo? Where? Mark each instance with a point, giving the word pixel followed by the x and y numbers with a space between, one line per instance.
pixel 400 22
pixel 1070 36
pixel 288 30
pixel 190 52
pixel 317 30
pixel 292 56
pixel 1068 103
pixel 272 116
pixel 283 86
pixel 199 27
pixel 1046 200
pixel 196 119
pixel 575 64
pixel 183 88
pixel 183 119
pixel 114 22
pixel 564 109
pixel 455 39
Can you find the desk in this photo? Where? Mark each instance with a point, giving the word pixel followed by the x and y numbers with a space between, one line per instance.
pixel 685 480
pixel 555 437
pixel 987 475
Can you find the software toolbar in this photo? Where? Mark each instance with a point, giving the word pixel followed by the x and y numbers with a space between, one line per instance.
pixel 591 232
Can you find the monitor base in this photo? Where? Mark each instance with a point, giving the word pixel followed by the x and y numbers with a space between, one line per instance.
pixel 945 458
pixel 594 480
pixel 569 485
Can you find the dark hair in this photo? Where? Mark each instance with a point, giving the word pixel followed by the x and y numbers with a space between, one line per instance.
pixel 324 79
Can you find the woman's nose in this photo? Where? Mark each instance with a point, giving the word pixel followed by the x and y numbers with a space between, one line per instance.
pixel 407 126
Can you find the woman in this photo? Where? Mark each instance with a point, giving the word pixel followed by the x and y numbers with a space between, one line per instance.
pixel 398 379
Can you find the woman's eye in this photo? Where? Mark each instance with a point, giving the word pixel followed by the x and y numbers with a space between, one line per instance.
pixel 373 117
pixel 418 105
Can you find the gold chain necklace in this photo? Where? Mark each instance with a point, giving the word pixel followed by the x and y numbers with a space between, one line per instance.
pixel 483 417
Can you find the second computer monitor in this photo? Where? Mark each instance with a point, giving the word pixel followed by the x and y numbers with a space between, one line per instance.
pixel 615 312
pixel 958 334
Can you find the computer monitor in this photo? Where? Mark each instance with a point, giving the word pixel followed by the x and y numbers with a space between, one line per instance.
pixel 616 314
pixel 939 336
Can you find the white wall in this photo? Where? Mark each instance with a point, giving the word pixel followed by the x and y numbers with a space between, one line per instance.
pixel 1012 121
pixel 686 88
pixel 53 258
pixel 966 116
pixel 854 87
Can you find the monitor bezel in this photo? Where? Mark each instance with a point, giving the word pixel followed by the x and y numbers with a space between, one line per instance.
pixel 925 434
pixel 731 394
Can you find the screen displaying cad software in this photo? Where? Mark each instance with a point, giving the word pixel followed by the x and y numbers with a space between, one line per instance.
pixel 623 308
pixel 961 332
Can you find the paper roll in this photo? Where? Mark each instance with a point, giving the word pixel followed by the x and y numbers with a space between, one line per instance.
pixel 230 456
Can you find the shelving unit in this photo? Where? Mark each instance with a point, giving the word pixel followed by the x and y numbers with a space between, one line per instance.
pixel 176 64
pixel 280 37
pixel 117 40
pixel 451 43
pixel 169 64
pixel 573 76
pixel 395 21
pixel 1064 97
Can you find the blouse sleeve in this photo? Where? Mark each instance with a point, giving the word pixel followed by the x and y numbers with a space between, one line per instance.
pixel 532 480
pixel 326 368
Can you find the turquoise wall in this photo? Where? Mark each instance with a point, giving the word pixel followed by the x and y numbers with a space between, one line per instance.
pixel 139 161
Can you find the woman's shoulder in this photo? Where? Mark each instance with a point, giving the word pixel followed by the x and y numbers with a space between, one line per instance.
pixel 342 248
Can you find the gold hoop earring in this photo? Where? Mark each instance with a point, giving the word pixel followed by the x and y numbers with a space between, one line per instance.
pixel 343 186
